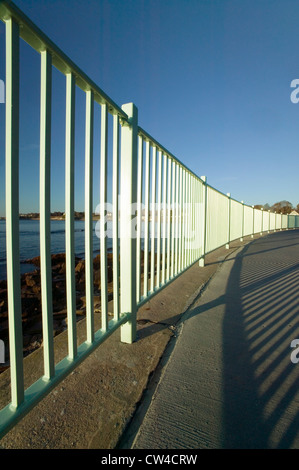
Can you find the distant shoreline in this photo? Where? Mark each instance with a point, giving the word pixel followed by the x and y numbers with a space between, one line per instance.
pixel 95 217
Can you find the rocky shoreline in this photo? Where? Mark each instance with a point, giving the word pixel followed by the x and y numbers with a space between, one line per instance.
pixel 31 300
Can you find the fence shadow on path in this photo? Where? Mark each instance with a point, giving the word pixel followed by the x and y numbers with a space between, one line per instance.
pixel 261 251
pixel 260 383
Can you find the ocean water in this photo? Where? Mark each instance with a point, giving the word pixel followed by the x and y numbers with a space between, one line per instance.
pixel 29 241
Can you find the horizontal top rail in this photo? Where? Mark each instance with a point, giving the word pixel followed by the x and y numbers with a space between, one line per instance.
pixel 39 41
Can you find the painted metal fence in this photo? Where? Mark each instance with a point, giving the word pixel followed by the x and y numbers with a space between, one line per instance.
pixel 165 218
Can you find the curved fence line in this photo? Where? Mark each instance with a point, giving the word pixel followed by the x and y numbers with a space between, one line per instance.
pixel 165 218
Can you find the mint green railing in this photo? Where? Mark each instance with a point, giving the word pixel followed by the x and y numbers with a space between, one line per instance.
pixel 169 217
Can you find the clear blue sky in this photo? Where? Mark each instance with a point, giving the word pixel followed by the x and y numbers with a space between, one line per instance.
pixel 211 80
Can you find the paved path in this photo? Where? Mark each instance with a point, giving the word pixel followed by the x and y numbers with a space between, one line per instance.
pixel 229 382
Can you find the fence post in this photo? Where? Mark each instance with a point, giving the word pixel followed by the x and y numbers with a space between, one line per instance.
pixel 275 222
pixel 228 228
pixel 204 222
pixel 128 200
pixel 252 235
pixel 269 221
pixel 262 225
pixel 242 236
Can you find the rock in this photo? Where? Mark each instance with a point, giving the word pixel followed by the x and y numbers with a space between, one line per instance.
pixel 30 281
pixel 61 268
pixel 97 277
pixel 35 261
pixel 80 268
pixel 36 289
pixel 31 297
pixel 57 258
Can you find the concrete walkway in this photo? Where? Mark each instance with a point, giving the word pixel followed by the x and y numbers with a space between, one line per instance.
pixel 230 381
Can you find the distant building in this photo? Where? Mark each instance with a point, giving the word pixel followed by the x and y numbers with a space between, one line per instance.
pixel 294 212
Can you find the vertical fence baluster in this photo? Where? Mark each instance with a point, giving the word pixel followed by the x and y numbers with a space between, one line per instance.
pixel 173 216
pixel 204 220
pixel 242 222
pixel 12 212
pixel 228 220
pixel 183 219
pixel 169 183
pixel 164 217
pixel 201 190
pixel 115 242
pixel 45 213
pixel 153 218
pixel 198 198
pixel 188 221
pixel 196 218
pixel 159 219
pixel 103 223
pixel 177 218
pixel 193 219
pixel 139 218
pixel 88 216
pixel 69 214
pixel 180 220
pixel 146 217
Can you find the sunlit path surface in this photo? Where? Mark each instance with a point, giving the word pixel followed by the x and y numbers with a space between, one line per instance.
pixel 230 382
